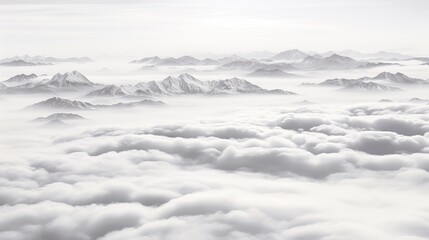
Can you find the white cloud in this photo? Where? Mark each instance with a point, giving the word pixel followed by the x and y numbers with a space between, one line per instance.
pixel 284 173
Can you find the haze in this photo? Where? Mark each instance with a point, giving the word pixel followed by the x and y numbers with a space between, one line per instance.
pixel 164 28
pixel 213 120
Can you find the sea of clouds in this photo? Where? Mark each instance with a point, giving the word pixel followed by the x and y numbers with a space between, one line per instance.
pixel 355 171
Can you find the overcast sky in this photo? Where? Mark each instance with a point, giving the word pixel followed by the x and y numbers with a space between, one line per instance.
pixel 141 28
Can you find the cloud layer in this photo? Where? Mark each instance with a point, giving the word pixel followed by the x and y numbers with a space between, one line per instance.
pixel 304 172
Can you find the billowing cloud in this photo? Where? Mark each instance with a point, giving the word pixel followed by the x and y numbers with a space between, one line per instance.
pixel 305 172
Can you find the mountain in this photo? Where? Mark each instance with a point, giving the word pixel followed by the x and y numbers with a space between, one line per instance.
pixel 61 103
pixel 398 78
pixel 249 65
pixel 2 86
pixel 392 78
pixel 348 53
pixel 229 59
pixel 369 86
pixel 148 60
pixel 68 81
pixel 144 102
pixel 271 73
pixel 333 62
pixel 375 64
pixel 181 61
pixel 21 63
pixel 170 62
pixel 45 59
pixel 358 55
pixel 28 88
pixel 72 79
pixel 21 78
pixel 55 124
pixel 59 116
pixel 389 55
pixel 188 60
pixel 112 90
pixel 354 84
pixel 290 55
pixel 233 86
pixel 418 100
pixel 369 83
pixel 241 86
pixel 184 84
pixel 209 61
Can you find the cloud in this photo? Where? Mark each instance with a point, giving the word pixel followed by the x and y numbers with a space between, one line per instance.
pixel 49 220
pixel 382 143
pixel 303 172
pixel 277 161
pixel 402 126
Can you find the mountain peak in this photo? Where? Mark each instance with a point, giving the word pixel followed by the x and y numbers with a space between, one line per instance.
pixel 69 80
pixel 290 55
pixel 399 78
pixel 339 57
pixel 56 123
pixel 59 116
pixel 384 75
pixel 187 76
pixel 62 103
pixel 112 90
pixel 21 78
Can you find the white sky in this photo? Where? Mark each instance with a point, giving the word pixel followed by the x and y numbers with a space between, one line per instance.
pixel 142 28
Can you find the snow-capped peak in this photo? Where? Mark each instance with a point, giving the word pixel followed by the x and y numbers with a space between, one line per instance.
pixel 69 80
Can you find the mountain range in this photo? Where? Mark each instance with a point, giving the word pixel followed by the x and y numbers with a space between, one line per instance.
pixel 181 61
pixel 57 124
pixel 333 62
pixel 298 55
pixel 292 59
pixel 72 79
pixel 353 84
pixel 251 65
pixel 61 103
pixel 21 63
pixel 290 55
pixel 382 55
pixel 187 60
pixel 276 73
pixel 396 78
pixel 69 81
pixel 60 117
pixel 46 59
pixel 20 79
pixel 372 83
pixel 185 84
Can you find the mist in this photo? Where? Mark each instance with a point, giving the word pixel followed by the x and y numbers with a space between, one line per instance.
pixel 251 122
